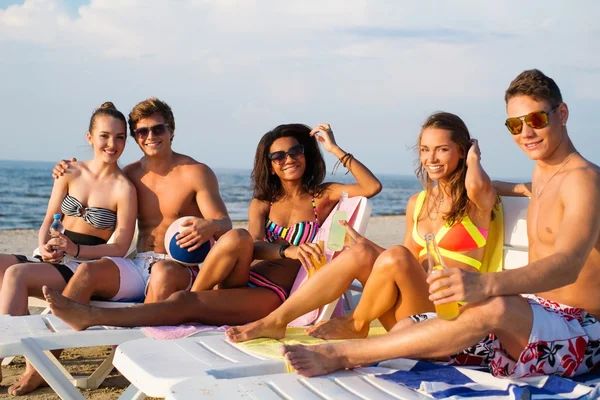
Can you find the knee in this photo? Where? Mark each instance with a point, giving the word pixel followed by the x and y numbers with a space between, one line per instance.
pixel 492 313
pixel 87 271
pixel 161 272
pixel 365 253
pixel 396 259
pixel 15 274
pixel 19 274
pixel 236 240
pixel 180 297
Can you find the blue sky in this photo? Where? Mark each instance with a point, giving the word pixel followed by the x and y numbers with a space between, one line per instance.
pixel 233 69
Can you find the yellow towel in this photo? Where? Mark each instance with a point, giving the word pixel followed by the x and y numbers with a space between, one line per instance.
pixel 493 257
pixel 271 348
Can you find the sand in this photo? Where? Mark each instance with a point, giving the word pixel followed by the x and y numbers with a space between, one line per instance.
pixel 385 231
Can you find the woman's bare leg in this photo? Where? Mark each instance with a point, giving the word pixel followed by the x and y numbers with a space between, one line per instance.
pixel 396 289
pixel 211 307
pixel 228 263
pixel 326 285
pixel 6 260
pixel 23 280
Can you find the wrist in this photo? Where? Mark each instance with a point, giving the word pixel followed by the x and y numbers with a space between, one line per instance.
pixel 337 151
pixel 282 250
pixel 489 287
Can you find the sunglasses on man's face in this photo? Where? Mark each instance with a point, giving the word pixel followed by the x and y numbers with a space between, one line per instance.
pixel 279 157
pixel 535 120
pixel 157 130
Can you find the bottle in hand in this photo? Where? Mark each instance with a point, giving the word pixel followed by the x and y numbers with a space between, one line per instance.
pixel 337 231
pixel 57 227
pixel 444 311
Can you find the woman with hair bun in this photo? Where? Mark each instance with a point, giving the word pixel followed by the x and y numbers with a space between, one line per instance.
pixel 94 200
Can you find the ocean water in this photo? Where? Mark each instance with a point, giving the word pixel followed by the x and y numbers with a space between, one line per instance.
pixel 25 187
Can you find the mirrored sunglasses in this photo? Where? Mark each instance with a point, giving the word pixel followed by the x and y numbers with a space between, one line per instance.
pixel 535 120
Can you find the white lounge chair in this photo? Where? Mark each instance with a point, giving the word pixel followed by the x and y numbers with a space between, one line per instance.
pixel 46 332
pixel 153 366
pixel 355 384
pixel 34 335
pixel 148 363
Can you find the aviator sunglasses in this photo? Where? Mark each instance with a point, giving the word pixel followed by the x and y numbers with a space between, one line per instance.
pixel 279 157
pixel 535 120
pixel 157 130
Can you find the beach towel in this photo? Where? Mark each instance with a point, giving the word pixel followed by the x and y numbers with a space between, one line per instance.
pixel 271 348
pixel 447 382
pixel 493 256
pixel 179 331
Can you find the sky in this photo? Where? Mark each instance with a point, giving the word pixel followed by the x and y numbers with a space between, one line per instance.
pixel 234 69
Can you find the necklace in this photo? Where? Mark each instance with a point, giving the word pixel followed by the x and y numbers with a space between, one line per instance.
pixel 434 211
pixel 539 193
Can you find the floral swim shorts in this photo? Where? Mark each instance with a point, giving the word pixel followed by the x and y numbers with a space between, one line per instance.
pixel 564 341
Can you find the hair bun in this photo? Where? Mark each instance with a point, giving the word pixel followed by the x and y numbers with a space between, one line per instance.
pixel 108 105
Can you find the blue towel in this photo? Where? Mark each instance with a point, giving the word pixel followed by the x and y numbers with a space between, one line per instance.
pixel 446 382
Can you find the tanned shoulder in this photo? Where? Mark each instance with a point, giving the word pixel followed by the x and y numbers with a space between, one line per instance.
pixel 583 179
pixel 182 160
pixel 75 170
pixel 133 169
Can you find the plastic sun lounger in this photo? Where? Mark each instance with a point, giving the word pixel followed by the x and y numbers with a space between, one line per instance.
pixel 153 366
pixel 45 332
pixel 34 335
pixel 214 368
pixel 354 384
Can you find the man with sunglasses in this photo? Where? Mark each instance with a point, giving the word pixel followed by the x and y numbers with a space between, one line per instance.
pixel 169 186
pixel 555 329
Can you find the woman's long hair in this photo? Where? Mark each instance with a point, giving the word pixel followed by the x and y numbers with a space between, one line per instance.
pixel 267 186
pixel 460 136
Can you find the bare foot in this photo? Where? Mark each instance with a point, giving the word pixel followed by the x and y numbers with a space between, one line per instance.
pixel 339 328
pixel 29 381
pixel 316 360
pixel 256 329
pixel 78 316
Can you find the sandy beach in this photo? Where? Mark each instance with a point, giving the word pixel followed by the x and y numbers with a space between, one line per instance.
pixel 384 230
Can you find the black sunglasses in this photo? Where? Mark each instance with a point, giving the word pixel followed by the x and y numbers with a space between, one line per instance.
pixel 157 130
pixel 279 157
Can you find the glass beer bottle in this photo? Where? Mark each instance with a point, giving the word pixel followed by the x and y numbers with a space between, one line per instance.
pixel 448 310
pixel 318 263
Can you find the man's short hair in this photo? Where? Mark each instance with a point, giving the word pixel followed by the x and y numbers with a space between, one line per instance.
pixel 535 84
pixel 147 108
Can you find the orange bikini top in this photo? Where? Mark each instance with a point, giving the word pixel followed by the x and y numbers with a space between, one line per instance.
pixel 462 236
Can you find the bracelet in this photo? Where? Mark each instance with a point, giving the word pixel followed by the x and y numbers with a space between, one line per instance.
pixel 343 160
pixel 78 249
pixel 282 250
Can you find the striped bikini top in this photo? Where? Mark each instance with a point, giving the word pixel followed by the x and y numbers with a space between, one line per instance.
pixel 98 217
pixel 453 239
pixel 302 232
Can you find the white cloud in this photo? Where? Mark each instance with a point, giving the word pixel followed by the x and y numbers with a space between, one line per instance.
pixel 247 62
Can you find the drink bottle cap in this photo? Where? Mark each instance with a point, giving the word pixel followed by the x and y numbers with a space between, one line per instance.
pixel 56 216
